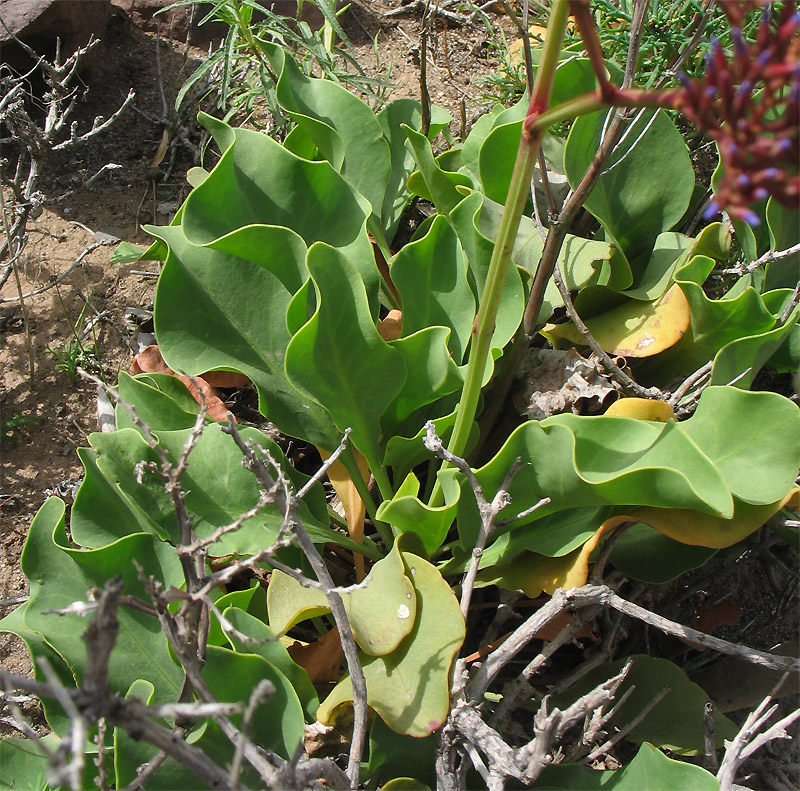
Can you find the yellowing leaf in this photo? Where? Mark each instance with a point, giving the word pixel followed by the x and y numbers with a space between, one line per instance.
pixel 410 687
pixel 635 329
pixel 642 409
pixel 381 613
pixel 354 508
pixel 534 574
pixel 692 527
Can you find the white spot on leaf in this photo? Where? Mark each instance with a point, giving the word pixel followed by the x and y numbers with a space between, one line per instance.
pixel 403 612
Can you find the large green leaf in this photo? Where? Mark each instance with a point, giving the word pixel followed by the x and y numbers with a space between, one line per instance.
pixel 340 358
pixel 431 277
pixel 466 219
pixel 431 374
pixel 265 184
pixel 650 770
pixel 141 647
pixel 410 688
pixel 24 763
pixel 720 456
pixel 210 314
pixel 344 129
pixel 675 722
pixel 268 646
pixel 647 182
pixel 218 489
pixel 756 468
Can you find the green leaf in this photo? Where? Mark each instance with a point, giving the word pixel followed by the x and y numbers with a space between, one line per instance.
pixel 409 688
pixel 218 489
pixel 646 185
pixel 403 453
pixel 466 218
pixel 716 322
pixel 237 598
pixel 340 358
pixel 755 469
pixel 740 361
pixel 38 647
pixel 344 129
pixel 406 512
pixel 24 764
pixel 270 648
pixel 141 648
pixel 784 232
pixel 209 314
pixel 392 118
pixel 381 613
pixel 675 722
pixel 431 277
pixel 650 770
pixel 440 185
pixel 431 373
pixel 649 556
pixel 162 402
pixel 393 755
pixel 278 722
pixel 265 184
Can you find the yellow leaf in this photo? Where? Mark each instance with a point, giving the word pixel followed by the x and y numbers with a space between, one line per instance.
pixel 534 574
pixel 354 508
pixel 642 409
pixel 702 530
pixel 635 329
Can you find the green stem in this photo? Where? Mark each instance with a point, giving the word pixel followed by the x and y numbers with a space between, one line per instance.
pixel 518 191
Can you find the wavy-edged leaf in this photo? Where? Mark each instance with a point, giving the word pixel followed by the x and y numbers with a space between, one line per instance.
pixel 141 649
pixel 339 356
pixel 344 129
pixel 265 184
pixel 210 314
pixel 381 612
pixel 431 276
pixel 409 688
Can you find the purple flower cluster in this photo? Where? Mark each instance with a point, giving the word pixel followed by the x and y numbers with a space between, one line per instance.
pixel 749 102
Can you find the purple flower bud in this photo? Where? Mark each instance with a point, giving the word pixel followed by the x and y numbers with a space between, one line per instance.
pixel 759 193
pixel 763 58
pixel 712 210
pixel 770 174
pixel 683 79
pixel 784 145
pixel 750 217
pixel 743 180
pixel 711 91
pixel 745 88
